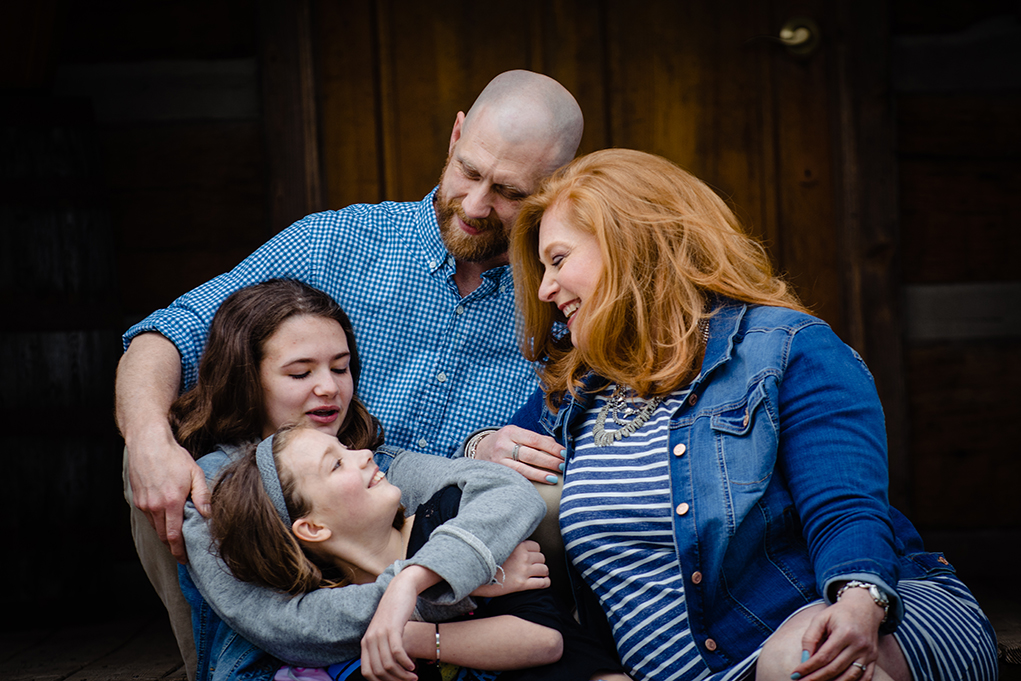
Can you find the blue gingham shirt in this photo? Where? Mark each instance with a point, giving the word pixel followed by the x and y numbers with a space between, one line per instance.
pixel 435 365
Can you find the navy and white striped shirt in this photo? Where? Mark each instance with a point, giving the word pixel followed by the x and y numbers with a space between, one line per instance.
pixel 435 366
pixel 616 519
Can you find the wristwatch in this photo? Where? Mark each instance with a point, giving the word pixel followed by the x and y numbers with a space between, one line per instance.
pixel 877 595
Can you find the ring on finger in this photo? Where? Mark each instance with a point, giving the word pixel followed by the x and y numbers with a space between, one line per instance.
pixel 514 452
pixel 859 665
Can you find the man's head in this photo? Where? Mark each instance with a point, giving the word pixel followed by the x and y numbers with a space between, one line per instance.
pixel 522 127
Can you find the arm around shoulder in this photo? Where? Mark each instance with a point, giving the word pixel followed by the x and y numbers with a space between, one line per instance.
pixel 499 509
pixel 161 473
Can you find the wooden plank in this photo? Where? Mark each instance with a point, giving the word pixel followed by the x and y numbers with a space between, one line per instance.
pixel 805 163
pixel 67 650
pixel 186 183
pixel 349 91
pixel 116 30
pixel 428 74
pixel 937 126
pixel 289 111
pixel 158 277
pixel 151 654
pixel 569 36
pixel 691 83
pixel 867 225
pixel 226 89
pixel 961 396
pixel 962 311
pixel 960 219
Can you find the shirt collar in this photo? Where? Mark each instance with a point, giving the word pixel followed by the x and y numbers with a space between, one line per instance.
pixel 436 254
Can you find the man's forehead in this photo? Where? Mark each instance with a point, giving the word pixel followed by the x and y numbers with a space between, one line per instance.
pixel 521 166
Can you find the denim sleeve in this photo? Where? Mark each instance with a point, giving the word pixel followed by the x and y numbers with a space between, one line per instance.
pixel 832 452
pixel 527 416
pixel 186 321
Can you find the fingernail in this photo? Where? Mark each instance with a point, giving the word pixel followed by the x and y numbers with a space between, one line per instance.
pixel 804 656
pixel 551 479
pixel 563 452
pixel 795 676
pixel 562 466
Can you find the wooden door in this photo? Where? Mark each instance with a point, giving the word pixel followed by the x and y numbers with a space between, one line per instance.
pixel 783 138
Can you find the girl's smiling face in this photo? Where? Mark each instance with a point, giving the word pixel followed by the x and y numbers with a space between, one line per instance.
pixel 348 493
pixel 573 266
pixel 305 375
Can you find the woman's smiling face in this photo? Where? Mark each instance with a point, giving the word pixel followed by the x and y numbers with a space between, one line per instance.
pixel 573 266
pixel 305 375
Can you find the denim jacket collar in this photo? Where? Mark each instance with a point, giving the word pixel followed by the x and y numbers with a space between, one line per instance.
pixel 724 325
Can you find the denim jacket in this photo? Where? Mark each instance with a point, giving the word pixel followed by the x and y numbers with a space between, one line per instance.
pixel 780 451
pixel 235 623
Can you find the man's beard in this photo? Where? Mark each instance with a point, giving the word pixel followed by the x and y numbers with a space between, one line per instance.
pixel 491 241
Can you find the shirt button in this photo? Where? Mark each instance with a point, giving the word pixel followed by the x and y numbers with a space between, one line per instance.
pixel 679 450
pixel 682 508
pixel 459 309
pixel 441 377
pixel 696 577
pixel 692 399
pixel 432 263
pixel 423 443
pixel 710 644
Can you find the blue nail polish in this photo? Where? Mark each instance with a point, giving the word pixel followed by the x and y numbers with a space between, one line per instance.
pixel 563 452
pixel 552 479
pixel 804 656
pixel 795 676
pixel 562 466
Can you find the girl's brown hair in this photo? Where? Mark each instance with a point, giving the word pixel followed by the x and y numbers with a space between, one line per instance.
pixel 669 245
pixel 226 404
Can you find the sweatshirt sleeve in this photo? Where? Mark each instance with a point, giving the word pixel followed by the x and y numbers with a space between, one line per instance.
pixel 499 509
pixel 326 626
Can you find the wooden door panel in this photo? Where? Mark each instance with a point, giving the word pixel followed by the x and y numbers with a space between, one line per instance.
pixel 695 82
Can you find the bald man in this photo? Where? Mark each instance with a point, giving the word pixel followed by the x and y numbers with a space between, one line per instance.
pixel 427 286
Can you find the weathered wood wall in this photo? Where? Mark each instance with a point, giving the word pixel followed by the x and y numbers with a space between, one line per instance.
pixel 150 146
pixel 957 88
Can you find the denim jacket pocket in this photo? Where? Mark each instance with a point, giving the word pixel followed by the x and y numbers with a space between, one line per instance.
pixel 743 432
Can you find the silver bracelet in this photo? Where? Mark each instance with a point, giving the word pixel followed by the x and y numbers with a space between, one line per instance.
pixel 877 595
pixel 473 443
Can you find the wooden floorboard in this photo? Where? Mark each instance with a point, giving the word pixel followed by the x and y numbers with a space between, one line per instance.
pixel 140 649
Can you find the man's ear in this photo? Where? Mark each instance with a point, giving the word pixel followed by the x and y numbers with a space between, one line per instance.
pixel 310 531
pixel 455 134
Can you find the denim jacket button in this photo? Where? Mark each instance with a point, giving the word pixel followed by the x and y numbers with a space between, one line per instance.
pixel 682 508
pixel 710 644
pixel 696 577
pixel 692 399
pixel 679 450
pixel 745 421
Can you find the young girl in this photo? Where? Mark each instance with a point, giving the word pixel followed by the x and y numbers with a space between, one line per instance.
pixel 283 353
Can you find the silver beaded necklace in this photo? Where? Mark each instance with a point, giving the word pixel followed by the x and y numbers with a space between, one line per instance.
pixel 618 404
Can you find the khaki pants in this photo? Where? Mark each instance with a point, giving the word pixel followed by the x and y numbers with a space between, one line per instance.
pixel 161 568
pixel 552 543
